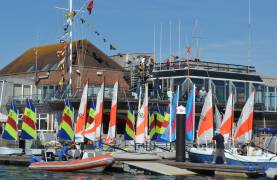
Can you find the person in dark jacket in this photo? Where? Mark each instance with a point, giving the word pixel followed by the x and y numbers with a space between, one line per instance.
pixel 219 151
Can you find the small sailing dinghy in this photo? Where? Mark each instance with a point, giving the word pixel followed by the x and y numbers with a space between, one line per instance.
pixel 90 164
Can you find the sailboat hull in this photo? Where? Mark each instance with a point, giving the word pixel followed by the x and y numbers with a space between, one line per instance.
pixel 263 161
pixel 92 164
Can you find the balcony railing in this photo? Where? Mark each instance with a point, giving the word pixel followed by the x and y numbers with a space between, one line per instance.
pixel 178 65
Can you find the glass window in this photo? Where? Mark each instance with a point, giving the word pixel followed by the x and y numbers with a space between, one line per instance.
pixel 240 91
pixel 219 91
pixel 26 91
pixel 17 91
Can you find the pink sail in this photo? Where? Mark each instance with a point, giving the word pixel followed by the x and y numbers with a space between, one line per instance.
pixel 112 126
pixel 81 119
pixel 228 119
pixel 94 130
pixel 243 132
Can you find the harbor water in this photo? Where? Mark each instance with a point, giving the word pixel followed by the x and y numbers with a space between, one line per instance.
pixel 19 172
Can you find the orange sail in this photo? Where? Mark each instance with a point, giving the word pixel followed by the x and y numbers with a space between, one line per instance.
pixel 243 133
pixel 112 126
pixel 81 119
pixel 228 119
pixel 205 127
pixel 94 130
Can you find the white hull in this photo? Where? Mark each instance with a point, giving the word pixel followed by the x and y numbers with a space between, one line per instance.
pixel 10 151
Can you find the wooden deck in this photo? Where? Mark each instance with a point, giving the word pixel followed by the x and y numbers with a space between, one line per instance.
pixel 218 169
pixel 159 168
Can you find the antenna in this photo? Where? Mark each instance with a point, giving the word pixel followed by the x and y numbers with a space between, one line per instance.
pixel 161 38
pixel 170 48
pixel 197 38
pixel 155 42
pixel 249 32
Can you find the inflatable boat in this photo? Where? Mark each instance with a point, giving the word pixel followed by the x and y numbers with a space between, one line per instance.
pixel 90 164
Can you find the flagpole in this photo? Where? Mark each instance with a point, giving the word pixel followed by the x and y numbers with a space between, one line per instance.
pixel 70 45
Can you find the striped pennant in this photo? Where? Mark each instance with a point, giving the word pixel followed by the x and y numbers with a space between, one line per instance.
pixel 29 122
pixel 10 131
pixel 66 126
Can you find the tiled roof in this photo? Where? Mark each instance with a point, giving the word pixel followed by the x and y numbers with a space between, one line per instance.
pixel 87 56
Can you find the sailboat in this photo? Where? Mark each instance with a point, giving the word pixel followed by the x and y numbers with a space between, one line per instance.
pixel 96 163
pixel 10 132
pixel 242 135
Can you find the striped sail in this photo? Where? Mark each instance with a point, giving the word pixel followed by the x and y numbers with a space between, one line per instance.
pixel 243 132
pixel 190 116
pixel 112 125
pixel 152 122
pixel 228 119
pixel 10 131
pixel 142 120
pixel 66 126
pixel 29 122
pixel 160 119
pixel 205 126
pixel 81 119
pixel 94 130
pixel 166 120
pixel 91 114
pixel 130 126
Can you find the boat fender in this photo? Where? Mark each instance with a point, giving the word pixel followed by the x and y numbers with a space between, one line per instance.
pixel 35 159
pixel 251 168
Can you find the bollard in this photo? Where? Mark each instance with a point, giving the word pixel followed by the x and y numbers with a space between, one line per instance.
pixel 180 134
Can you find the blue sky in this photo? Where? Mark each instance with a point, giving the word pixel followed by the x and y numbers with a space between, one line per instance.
pixel 129 26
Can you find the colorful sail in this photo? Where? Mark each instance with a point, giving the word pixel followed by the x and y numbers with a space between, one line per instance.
pixel 29 122
pixel 190 116
pixel 205 127
pixel 10 131
pixel 160 119
pixel 170 132
pixel 93 132
pixel 152 122
pixel 91 114
pixel 243 133
pixel 228 119
pixel 66 126
pixel 81 119
pixel 130 125
pixel 142 119
pixel 217 117
pixel 112 125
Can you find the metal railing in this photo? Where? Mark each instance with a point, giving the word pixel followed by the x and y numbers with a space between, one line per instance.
pixel 205 66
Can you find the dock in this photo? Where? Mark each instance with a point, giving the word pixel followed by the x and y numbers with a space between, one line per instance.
pixel 157 168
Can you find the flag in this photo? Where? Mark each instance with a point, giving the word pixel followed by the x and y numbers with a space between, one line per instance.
pixel 66 126
pixel 190 116
pixel 160 119
pixel 29 122
pixel 90 6
pixel 10 131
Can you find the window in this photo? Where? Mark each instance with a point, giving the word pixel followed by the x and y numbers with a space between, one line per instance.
pixel 26 91
pixel 17 91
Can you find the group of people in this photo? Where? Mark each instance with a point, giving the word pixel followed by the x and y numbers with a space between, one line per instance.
pixel 63 153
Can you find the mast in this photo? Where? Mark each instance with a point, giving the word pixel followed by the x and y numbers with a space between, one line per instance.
pixel 170 48
pixel 249 31
pixel 161 36
pixel 70 46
